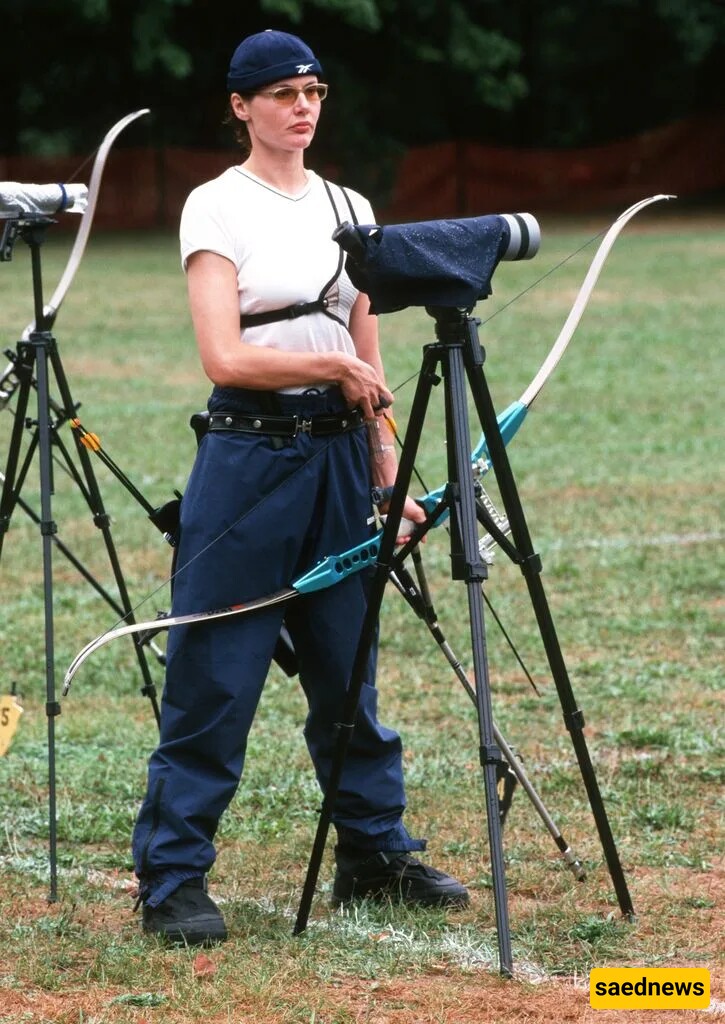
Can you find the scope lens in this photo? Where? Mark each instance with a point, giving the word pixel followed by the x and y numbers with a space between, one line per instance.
pixel 524 236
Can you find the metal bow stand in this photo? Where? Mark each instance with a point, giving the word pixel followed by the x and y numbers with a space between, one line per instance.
pixel 457 360
pixel 36 359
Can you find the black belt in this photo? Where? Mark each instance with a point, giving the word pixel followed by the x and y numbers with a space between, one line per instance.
pixel 287 426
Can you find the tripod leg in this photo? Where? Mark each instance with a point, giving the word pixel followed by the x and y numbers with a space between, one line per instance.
pixel 24 371
pixel 464 528
pixel 47 529
pixel 531 567
pixel 102 521
pixel 346 725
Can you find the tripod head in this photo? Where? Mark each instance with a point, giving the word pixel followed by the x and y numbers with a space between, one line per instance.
pixel 25 210
pixel 443 263
pixel 449 319
pixel 31 227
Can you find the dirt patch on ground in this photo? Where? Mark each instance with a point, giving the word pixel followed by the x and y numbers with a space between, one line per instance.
pixel 455 1000
pixel 442 994
pixel 445 998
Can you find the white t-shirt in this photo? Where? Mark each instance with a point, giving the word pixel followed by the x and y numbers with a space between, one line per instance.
pixel 282 248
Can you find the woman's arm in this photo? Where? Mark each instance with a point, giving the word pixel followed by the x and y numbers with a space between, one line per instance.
pixel 383 455
pixel 229 362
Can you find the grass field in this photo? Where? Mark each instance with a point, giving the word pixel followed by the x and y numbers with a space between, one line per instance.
pixel 619 470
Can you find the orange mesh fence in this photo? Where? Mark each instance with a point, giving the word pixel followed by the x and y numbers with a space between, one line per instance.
pixel 457 178
pixel 146 188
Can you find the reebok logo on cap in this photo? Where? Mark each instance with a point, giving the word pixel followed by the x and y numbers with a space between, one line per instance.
pixel 268 57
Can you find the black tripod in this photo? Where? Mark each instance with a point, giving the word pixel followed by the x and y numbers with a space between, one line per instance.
pixel 36 360
pixel 457 358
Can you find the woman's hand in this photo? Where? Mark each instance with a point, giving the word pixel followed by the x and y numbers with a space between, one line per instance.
pixel 412 515
pixel 363 387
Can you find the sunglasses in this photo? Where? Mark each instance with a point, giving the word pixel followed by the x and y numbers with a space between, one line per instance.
pixel 286 95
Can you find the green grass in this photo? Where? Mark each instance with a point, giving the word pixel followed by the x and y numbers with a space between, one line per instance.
pixel 619 472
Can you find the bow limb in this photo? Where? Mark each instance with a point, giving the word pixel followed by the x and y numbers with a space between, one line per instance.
pixel 50 310
pixel 514 415
pixel 164 622
pixel 582 299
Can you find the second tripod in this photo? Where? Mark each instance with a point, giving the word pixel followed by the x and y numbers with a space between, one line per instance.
pixel 36 363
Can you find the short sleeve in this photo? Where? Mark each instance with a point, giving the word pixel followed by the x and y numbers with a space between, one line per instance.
pixel 204 227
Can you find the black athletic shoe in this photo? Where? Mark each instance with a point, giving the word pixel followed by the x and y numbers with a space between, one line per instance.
pixel 394 876
pixel 188 917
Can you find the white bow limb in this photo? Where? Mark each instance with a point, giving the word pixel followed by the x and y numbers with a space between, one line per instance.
pixel 50 310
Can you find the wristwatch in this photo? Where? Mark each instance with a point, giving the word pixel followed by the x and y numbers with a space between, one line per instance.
pixel 381 495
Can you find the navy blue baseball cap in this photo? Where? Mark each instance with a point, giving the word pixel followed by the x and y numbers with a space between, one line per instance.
pixel 268 57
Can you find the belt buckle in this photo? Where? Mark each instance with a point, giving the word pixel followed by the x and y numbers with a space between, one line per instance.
pixel 303 426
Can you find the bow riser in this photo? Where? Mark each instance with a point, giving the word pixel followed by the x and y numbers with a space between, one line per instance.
pixel 334 568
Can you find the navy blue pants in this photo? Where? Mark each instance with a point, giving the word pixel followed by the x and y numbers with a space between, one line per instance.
pixel 278 511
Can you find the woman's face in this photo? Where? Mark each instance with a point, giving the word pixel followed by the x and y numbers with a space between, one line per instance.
pixel 281 116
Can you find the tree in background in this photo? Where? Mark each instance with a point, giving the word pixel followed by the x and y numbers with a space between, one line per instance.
pixel 402 72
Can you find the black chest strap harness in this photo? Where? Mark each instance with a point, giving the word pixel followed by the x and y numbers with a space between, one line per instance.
pixel 321 303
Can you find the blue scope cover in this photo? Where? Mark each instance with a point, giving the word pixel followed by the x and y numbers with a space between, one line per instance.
pixel 446 263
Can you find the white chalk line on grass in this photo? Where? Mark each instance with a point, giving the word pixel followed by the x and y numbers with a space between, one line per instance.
pixel 662 540
pixel 462 945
